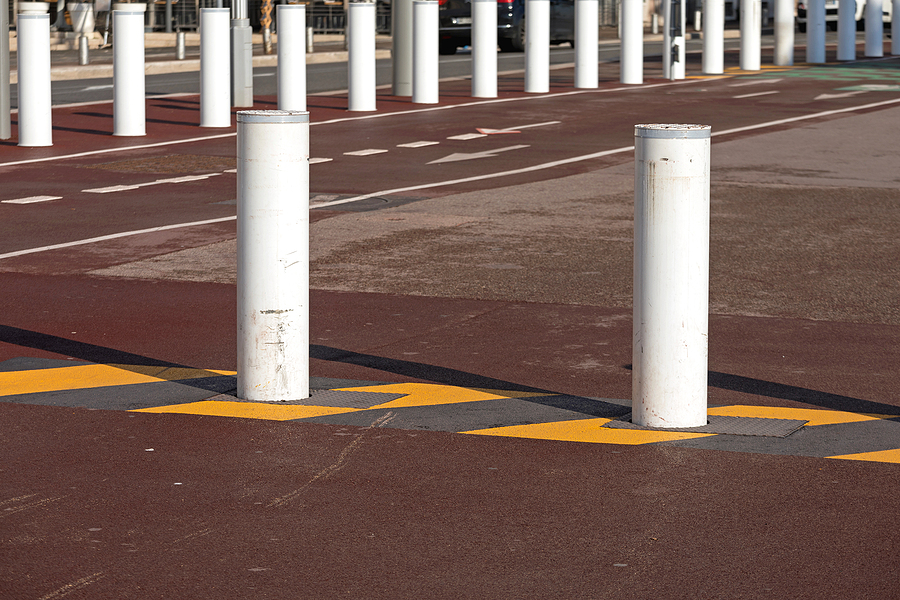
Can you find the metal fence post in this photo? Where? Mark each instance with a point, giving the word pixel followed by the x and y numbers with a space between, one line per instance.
pixel 273 255
pixel 671 275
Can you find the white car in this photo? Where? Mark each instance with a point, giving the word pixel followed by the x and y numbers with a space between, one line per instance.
pixel 831 13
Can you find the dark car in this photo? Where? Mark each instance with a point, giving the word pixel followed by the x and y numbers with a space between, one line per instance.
pixel 456 24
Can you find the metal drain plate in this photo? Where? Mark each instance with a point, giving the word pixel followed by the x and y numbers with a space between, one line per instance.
pixel 752 426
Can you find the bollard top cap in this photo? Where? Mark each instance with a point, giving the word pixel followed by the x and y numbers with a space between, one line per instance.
pixel 672 131
pixel 273 116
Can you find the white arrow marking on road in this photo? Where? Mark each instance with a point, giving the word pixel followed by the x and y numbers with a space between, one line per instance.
pixel 755 81
pixel 844 95
pixel 463 156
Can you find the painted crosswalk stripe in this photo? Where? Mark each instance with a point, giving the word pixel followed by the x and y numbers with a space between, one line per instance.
pixel 32 199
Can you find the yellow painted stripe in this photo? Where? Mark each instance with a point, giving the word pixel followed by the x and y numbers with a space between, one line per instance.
pixel 814 416
pixel 79 377
pixel 587 430
pixel 888 456
pixel 248 410
pixel 426 394
pixel 68 378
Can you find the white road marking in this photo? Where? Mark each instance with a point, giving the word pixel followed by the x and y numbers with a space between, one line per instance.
pixel 417 144
pixel 755 82
pixel 113 236
pixel 575 159
pixel 467 136
pixel 455 181
pixel 119 149
pixel 332 121
pixel 471 156
pixel 97 87
pixel 32 199
pixel 757 94
pixel 366 152
pixel 844 95
pixel 314 161
pixel 125 188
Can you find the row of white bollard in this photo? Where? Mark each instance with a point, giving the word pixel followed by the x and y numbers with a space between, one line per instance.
pixel 671 266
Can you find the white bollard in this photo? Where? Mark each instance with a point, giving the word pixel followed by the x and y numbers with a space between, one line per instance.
pixel 5 97
pixel 273 255
pixel 33 60
pixel 179 45
pixel 242 60
pixel 426 55
pixel 537 46
pixel 215 67
pixel 129 97
pixel 402 47
pixel 751 32
pixel 714 37
pixel 895 25
pixel 361 56
pixel 815 31
pixel 587 38
pixel 846 28
pixel 673 41
pixel 632 44
pixel 875 28
pixel 291 69
pixel 671 275
pixel 784 33
pixel 484 48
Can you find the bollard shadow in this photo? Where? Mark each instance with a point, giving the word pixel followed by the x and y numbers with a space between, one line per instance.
pixel 80 130
pixel 170 122
pixel 432 373
pixel 771 389
pixel 110 356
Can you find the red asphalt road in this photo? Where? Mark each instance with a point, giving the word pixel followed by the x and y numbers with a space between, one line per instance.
pixel 289 510
pixel 588 122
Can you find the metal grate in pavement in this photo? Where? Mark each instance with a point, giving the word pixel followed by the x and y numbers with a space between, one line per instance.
pixel 752 426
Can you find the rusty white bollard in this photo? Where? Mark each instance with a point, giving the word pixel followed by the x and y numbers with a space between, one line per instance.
pixel 671 275
pixel 33 60
pixel 714 37
pixel 751 32
pixel 537 46
pixel 587 19
pixel 215 67
pixel 273 255
pixel 129 98
pixel 815 31
pixel 875 28
pixel 361 56
pixel 632 44
pixel 291 19
pixel 426 57
pixel 484 48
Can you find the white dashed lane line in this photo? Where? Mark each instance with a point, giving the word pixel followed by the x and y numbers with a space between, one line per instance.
pixel 31 200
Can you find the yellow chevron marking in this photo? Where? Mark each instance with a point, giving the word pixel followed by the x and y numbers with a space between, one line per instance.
pixel 248 410
pixel 814 416
pixel 888 456
pixel 587 430
pixel 426 394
